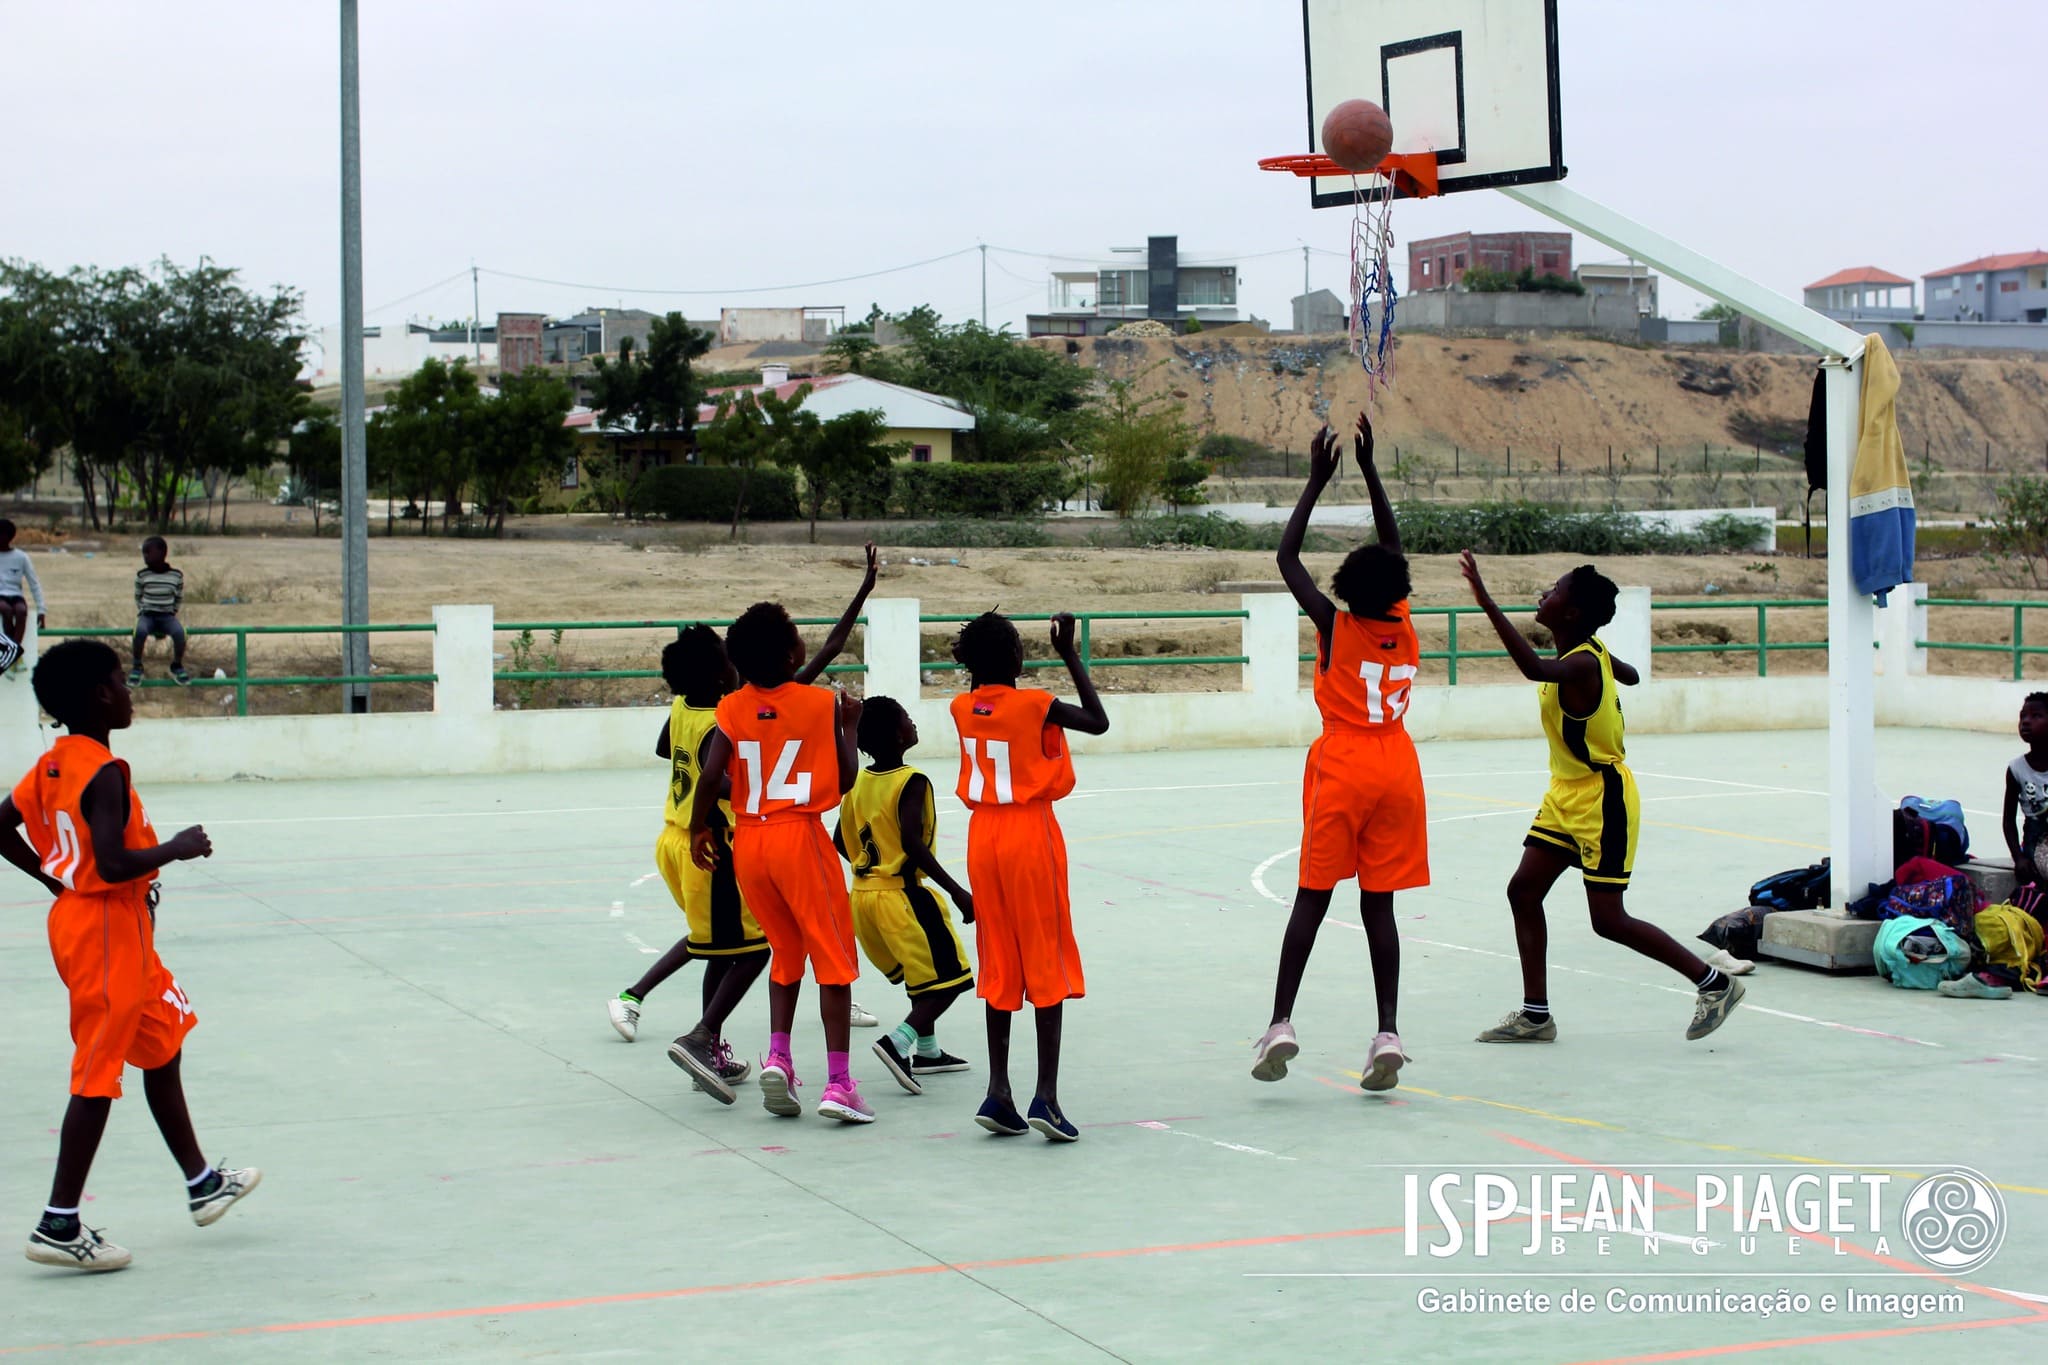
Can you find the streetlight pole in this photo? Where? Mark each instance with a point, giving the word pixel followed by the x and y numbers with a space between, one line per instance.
pixel 355 493
pixel 984 284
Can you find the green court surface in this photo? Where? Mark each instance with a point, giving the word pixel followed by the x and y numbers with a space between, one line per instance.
pixel 402 989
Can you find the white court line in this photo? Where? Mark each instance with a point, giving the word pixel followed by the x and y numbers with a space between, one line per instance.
pixel 1182 787
pixel 641 944
pixel 430 815
pixel 643 880
pixel 1158 1127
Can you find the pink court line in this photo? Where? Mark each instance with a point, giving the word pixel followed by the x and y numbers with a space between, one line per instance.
pixel 699 1291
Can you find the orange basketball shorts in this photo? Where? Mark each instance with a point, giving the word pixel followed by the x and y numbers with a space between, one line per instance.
pixel 790 877
pixel 1023 924
pixel 1362 812
pixel 126 1010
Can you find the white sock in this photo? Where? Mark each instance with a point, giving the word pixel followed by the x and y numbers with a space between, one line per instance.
pixel 60 1213
pixel 196 1181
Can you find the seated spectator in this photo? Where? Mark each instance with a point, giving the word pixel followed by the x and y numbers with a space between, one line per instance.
pixel 159 593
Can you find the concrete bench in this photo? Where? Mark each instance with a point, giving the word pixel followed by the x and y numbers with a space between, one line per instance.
pixel 1837 943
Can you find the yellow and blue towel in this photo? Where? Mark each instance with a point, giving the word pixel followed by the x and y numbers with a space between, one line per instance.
pixel 1880 492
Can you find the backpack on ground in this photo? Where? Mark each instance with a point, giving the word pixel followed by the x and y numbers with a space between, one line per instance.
pixel 1739 931
pixel 1929 829
pixel 1919 954
pixel 1801 888
pixel 1950 900
pixel 2013 939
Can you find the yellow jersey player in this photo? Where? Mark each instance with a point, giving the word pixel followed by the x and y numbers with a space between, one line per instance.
pixel 1591 815
pixel 886 825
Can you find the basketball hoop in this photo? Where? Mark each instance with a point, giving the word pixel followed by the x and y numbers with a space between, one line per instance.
pixel 1369 322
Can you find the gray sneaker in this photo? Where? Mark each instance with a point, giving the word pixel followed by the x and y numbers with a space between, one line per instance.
pixel 1274 1050
pixel 1713 1008
pixel 1517 1027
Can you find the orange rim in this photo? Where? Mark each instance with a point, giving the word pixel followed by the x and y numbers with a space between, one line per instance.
pixel 1414 173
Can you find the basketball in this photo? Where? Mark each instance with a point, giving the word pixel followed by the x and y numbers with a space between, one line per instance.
pixel 1357 135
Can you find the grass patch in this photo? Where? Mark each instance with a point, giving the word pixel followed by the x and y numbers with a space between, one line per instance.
pixel 1528 528
pixel 1205 530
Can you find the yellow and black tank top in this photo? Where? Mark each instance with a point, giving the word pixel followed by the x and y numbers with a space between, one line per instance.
pixel 1581 746
pixel 872 832
pixel 687 727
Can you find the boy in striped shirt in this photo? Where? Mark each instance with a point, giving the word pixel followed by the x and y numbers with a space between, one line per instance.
pixel 159 592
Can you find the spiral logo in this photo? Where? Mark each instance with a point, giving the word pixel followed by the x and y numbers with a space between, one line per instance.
pixel 1955 1220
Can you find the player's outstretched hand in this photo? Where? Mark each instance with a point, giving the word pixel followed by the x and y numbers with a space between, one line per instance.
pixel 1361 444
pixel 966 901
pixel 1469 567
pixel 1323 457
pixel 867 582
pixel 848 710
pixel 1063 634
pixel 188 844
pixel 704 849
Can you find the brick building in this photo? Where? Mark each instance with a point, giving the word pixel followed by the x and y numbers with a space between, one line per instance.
pixel 1441 262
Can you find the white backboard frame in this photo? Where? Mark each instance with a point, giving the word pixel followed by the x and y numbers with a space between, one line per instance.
pixel 1474 81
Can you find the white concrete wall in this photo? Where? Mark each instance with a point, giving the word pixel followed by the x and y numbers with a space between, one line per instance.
pixel 465 733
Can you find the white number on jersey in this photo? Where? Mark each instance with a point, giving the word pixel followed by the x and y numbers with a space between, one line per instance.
pixel 780 786
pixel 1386 690
pixel 999 770
pixel 65 854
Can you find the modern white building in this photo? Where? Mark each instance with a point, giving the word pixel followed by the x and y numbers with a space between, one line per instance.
pixel 395 352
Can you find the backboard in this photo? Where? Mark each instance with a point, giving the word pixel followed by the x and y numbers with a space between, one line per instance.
pixel 1474 81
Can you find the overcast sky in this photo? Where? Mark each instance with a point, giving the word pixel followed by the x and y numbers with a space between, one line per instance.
pixel 633 145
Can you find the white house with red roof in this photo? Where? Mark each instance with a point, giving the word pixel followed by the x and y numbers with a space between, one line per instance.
pixel 2008 288
pixel 1862 291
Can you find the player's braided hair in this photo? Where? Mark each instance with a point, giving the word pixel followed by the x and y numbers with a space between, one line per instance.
pixel 881 725
pixel 762 643
pixel 1592 595
pixel 66 676
pixel 694 664
pixel 990 648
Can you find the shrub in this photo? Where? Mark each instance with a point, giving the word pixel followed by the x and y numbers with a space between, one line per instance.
pixel 683 492
pixel 1209 530
pixel 2018 530
pixel 1528 528
pixel 1181 483
pixel 969 535
pixel 947 491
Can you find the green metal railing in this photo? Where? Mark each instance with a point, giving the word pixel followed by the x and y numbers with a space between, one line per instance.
pixel 2019 649
pixel 241 679
pixel 603 674
pixel 1084 639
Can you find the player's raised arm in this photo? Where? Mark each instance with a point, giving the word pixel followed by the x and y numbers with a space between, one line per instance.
pixel 814 667
pixel 1322 467
pixel 1536 668
pixel 1383 523
pixel 846 719
pixel 1089 717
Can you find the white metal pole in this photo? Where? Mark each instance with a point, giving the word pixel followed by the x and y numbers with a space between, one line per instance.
pixel 355 528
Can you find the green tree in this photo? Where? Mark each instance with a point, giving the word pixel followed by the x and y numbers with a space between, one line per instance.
pixel 652 391
pixel 840 453
pixel 1138 437
pixel 851 351
pixel 37 390
pixel 1028 403
pixel 1180 483
pixel 751 427
pixel 520 441
pixel 424 437
pixel 313 459
pixel 1719 312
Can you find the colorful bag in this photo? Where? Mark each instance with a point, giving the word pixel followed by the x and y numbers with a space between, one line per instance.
pixel 2013 939
pixel 1895 965
pixel 1951 901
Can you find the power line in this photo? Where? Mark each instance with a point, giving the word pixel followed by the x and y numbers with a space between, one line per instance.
pixel 756 289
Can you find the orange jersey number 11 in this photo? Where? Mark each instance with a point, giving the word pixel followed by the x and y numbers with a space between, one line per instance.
pixel 998 775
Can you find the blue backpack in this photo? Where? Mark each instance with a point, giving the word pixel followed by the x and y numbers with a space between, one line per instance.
pixel 1929 829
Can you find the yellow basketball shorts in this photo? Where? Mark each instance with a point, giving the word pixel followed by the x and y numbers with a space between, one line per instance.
pixel 1594 819
pixel 908 933
pixel 720 923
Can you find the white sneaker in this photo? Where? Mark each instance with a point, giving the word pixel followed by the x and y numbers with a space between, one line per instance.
pixel 210 1208
pixel 87 1251
pixel 1274 1050
pixel 860 1018
pixel 1383 1063
pixel 625 1017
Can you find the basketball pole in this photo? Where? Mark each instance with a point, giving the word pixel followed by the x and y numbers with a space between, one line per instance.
pixel 1857 839
pixel 355 493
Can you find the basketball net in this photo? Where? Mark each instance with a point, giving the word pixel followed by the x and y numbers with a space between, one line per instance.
pixel 1371 320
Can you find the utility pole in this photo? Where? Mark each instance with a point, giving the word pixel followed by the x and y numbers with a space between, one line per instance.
pixel 476 317
pixel 1304 286
pixel 355 493
pixel 984 284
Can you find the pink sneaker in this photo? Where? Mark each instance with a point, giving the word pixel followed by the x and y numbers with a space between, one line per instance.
pixel 779 1086
pixel 1274 1050
pixel 1383 1063
pixel 842 1101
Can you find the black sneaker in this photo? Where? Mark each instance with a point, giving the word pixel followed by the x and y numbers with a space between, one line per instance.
pixel 705 1066
pixel 929 1066
pixel 178 672
pixel 1001 1118
pixel 135 677
pixel 211 1207
pixel 86 1250
pixel 898 1065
